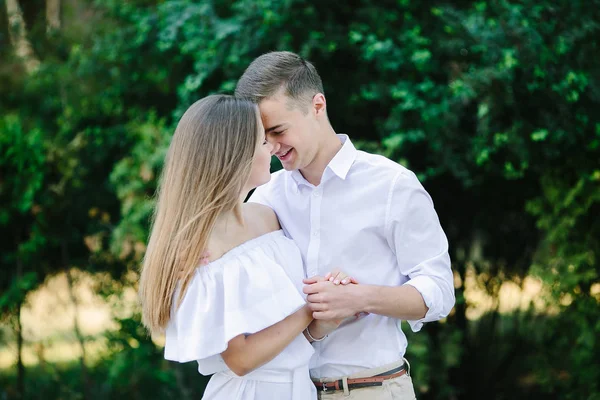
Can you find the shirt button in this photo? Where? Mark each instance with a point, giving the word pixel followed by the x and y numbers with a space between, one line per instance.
pixel 316 233
pixel 316 193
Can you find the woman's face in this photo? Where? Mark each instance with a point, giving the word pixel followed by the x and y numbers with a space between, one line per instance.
pixel 261 165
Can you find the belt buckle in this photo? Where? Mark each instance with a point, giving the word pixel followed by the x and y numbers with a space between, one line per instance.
pixel 324 386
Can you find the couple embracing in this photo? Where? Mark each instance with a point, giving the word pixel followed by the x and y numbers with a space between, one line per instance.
pixel 299 292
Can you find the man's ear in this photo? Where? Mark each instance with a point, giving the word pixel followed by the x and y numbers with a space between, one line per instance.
pixel 319 104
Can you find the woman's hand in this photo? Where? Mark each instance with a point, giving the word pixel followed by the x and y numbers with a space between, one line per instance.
pixel 339 277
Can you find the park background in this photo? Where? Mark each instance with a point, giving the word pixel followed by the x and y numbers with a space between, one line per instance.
pixel 494 104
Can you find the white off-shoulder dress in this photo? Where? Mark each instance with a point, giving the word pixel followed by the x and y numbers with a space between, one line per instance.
pixel 251 287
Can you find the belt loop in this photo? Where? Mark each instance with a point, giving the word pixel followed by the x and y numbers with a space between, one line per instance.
pixel 345 385
pixel 407 366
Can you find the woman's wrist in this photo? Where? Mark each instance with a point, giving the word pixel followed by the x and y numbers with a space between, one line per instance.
pixel 308 313
pixel 313 334
pixel 321 329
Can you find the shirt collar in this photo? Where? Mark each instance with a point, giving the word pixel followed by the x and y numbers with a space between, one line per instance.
pixel 340 164
pixel 343 160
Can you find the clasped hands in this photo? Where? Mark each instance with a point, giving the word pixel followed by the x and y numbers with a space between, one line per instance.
pixel 333 297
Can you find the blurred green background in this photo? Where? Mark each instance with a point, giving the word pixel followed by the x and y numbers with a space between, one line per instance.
pixel 494 104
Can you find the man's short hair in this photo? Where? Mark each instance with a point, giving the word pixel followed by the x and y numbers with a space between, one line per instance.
pixel 269 73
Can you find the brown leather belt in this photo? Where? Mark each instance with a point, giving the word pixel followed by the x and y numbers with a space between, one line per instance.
pixel 356 383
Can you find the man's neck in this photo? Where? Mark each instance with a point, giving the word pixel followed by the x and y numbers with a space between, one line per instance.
pixel 329 148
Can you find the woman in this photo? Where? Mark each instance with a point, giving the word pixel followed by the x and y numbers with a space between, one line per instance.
pixel 241 316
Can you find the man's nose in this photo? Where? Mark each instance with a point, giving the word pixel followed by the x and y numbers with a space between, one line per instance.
pixel 274 147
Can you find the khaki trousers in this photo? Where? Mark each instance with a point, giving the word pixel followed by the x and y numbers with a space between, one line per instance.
pixel 400 388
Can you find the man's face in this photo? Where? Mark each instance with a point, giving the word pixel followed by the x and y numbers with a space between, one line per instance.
pixel 294 134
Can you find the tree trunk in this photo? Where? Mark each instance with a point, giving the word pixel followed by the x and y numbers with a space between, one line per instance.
pixel 434 359
pixel 458 374
pixel 19 332
pixel 18 36
pixel 78 334
pixel 52 15
pixel 20 366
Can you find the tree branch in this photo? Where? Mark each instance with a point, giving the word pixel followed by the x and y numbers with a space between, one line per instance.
pixel 52 16
pixel 18 36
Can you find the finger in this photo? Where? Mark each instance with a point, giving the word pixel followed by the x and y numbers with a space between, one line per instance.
pixel 341 275
pixel 341 278
pixel 313 298
pixel 205 257
pixel 320 314
pixel 312 279
pixel 336 279
pixel 327 276
pixel 333 274
pixel 323 315
pixel 317 306
pixel 312 288
pixel 347 280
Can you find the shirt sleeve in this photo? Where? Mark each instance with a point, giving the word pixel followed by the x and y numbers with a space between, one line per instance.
pixel 415 235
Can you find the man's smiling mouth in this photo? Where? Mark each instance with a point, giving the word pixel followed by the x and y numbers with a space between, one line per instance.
pixel 282 156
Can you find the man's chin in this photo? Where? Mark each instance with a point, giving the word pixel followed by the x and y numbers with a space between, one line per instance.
pixel 289 167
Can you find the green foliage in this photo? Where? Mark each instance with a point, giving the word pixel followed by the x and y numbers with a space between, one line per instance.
pixel 134 178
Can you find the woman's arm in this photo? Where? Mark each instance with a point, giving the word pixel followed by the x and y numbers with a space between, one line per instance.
pixel 320 328
pixel 246 353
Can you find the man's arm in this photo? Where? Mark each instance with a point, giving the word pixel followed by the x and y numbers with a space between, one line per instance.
pixel 413 232
pixel 334 302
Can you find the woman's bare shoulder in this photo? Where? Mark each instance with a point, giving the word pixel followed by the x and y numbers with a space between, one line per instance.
pixel 262 217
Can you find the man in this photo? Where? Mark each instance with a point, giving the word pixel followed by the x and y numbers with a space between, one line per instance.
pixel 358 212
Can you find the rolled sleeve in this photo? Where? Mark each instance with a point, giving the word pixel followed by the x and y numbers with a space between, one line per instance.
pixel 420 245
pixel 435 299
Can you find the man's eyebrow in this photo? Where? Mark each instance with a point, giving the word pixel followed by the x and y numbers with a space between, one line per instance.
pixel 273 128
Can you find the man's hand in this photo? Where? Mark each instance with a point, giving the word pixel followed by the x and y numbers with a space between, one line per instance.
pixel 330 301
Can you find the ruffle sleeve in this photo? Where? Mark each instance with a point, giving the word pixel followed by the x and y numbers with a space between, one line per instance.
pixel 241 295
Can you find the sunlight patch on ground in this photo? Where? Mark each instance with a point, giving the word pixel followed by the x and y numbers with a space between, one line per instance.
pixel 48 322
pixel 511 296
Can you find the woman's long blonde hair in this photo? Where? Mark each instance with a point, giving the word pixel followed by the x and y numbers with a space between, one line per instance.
pixel 207 165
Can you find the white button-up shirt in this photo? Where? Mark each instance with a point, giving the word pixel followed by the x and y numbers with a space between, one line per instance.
pixel 371 218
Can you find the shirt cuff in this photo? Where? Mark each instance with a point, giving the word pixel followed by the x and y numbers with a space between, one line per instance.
pixel 432 296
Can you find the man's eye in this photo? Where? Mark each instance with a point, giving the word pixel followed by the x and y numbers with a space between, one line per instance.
pixel 277 133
